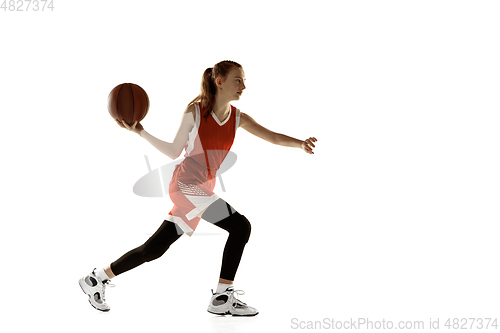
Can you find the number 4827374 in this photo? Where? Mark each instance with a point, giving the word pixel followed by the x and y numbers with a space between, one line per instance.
pixel 27 5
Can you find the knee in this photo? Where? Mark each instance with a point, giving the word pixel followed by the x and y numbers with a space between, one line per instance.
pixel 242 229
pixel 152 253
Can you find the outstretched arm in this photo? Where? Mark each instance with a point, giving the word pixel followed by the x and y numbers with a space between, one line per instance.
pixel 250 125
pixel 287 141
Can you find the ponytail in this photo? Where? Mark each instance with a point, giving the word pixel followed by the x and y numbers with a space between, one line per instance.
pixel 208 87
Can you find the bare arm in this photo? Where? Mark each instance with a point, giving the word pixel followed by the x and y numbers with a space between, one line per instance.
pixel 288 141
pixel 249 124
pixel 166 148
pixel 174 149
pixel 254 128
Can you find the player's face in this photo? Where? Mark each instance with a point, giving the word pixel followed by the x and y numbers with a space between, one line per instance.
pixel 234 84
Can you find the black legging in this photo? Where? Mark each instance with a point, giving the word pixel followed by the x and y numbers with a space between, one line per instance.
pixel 221 214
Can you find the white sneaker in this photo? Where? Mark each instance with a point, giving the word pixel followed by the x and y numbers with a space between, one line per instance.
pixel 226 303
pixel 95 288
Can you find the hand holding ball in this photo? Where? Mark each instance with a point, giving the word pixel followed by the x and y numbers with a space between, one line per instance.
pixel 128 104
pixel 136 127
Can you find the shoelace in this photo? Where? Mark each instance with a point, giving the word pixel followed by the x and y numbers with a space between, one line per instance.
pixel 106 283
pixel 109 284
pixel 238 292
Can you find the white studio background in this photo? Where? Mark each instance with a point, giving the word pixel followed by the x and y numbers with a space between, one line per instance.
pixel 394 217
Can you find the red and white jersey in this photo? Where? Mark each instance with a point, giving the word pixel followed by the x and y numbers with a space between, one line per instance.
pixel 193 180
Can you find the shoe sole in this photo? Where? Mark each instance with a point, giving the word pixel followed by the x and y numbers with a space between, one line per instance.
pixel 234 315
pixel 248 315
pixel 80 284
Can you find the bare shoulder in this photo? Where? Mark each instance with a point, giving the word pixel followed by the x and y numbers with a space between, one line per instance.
pixel 187 123
pixel 243 119
pixel 251 126
pixel 192 111
pixel 246 120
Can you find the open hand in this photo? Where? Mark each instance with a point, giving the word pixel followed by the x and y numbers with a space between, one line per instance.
pixel 136 127
pixel 308 145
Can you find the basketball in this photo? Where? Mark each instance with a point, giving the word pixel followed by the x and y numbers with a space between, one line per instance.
pixel 129 102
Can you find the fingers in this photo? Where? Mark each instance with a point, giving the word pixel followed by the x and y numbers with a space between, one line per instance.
pixel 123 124
pixel 311 140
pixel 309 145
pixel 119 123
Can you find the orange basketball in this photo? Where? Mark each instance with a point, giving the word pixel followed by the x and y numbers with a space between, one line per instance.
pixel 129 102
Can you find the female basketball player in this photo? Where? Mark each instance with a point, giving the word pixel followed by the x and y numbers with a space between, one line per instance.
pixel 206 133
